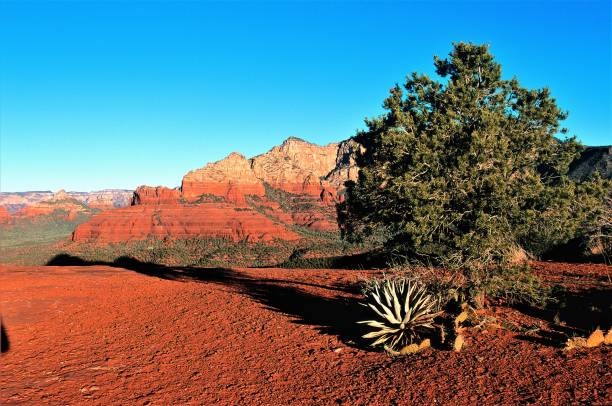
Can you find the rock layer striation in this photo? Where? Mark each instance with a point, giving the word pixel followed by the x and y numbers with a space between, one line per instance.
pixel 295 184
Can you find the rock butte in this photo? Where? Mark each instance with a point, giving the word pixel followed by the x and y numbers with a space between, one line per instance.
pixel 214 220
pixel 231 198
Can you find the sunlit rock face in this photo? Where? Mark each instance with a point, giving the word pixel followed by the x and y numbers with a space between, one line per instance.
pixel 155 195
pixel 209 220
pixel 231 178
pixel 258 199
pixel 35 206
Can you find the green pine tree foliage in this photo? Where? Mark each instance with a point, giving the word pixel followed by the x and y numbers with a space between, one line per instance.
pixel 465 172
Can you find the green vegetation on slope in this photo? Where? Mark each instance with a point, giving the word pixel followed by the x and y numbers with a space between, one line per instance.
pixel 39 230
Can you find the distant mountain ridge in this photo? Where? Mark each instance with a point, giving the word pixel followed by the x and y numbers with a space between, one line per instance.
pixel 100 199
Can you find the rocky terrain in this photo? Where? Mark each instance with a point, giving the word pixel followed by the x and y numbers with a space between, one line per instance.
pixel 163 336
pixel 58 206
pixel 214 220
pixel 135 331
pixel 5 215
pixel 259 199
pixel 296 167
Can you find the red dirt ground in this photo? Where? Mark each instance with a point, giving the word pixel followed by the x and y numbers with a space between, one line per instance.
pixel 104 335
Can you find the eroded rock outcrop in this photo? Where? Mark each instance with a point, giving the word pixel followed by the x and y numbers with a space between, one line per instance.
pixel 209 220
pixel 296 166
pixel 5 216
pixel 345 168
pixel 104 199
pixel 590 161
pixel 231 178
pixel 155 195
pixel 294 184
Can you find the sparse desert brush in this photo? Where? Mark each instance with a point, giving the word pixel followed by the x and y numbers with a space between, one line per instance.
pixel 403 311
pixel 199 251
pixel 511 285
pixel 187 252
pixel 445 284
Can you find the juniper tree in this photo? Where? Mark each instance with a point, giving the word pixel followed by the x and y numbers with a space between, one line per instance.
pixel 465 172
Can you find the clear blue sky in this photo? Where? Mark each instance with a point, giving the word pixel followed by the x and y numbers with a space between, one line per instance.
pixel 117 94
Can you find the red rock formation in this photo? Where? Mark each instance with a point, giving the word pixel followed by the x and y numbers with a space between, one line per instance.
pixel 208 220
pixel 227 199
pixel 345 169
pixel 102 199
pixel 155 195
pixel 60 204
pixel 296 166
pixel 231 178
pixel 321 219
pixel 22 199
pixel 5 216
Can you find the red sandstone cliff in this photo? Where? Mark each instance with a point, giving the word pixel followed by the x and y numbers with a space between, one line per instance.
pixel 259 199
pixel 296 166
pixel 155 195
pixel 232 178
pixel 210 220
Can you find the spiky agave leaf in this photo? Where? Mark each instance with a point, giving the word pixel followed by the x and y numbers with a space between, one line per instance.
pixel 403 311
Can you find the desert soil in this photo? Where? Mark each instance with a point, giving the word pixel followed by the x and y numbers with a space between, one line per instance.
pixel 104 335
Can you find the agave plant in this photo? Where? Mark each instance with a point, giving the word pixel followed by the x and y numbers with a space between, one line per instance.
pixel 404 310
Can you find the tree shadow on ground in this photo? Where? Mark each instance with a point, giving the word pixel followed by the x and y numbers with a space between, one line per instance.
pixel 577 313
pixel 366 260
pixel 575 250
pixel 336 315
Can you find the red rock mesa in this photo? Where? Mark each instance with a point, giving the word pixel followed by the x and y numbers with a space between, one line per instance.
pixel 259 199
